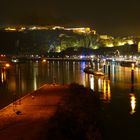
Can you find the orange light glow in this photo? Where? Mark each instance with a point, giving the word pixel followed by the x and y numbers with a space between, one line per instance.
pixel 44 60
pixel 132 103
pixel 7 65
pixel 132 66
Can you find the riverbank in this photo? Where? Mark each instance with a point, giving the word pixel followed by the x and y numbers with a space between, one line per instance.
pixel 52 112
pixel 25 118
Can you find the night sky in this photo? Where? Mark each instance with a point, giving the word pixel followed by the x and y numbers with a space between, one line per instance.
pixel 117 18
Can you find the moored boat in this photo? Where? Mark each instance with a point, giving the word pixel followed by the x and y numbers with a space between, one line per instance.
pixel 89 70
pixel 98 73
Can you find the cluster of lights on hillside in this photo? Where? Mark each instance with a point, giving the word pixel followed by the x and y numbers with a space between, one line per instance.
pixel 78 29
pixel 110 41
pixel 107 40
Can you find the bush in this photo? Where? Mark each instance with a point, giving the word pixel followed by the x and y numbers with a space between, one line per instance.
pixel 77 117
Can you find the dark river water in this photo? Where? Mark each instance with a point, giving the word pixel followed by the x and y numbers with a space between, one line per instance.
pixel 120 98
pixel 22 78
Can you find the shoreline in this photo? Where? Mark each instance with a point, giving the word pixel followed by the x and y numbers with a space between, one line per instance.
pixel 34 110
pixel 22 97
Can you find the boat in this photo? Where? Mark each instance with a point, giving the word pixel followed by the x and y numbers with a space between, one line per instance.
pixel 98 73
pixel 18 60
pixel 90 70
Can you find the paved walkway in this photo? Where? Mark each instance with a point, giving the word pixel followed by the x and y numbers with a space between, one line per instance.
pixel 25 119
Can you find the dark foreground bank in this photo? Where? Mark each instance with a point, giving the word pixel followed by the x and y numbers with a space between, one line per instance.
pixel 53 112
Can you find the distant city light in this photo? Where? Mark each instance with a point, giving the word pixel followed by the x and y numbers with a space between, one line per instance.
pixel 130 42
pixel 44 60
pixel 10 29
pixel 7 65
pixel 109 45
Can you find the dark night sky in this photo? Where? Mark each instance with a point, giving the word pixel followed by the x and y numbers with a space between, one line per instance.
pixel 120 17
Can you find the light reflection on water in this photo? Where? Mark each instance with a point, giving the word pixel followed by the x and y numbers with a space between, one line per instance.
pixel 132 103
pixel 118 87
pixel 3 75
pixel 101 85
pixel 23 78
pixel 106 91
pixel 121 102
